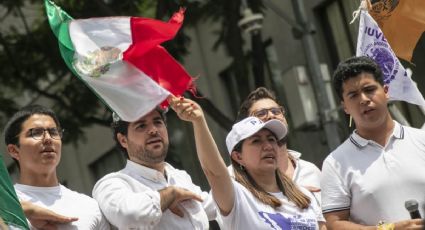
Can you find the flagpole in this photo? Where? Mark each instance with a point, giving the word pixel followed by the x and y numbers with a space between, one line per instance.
pixel 313 65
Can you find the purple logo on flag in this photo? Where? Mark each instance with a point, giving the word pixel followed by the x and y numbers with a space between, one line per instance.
pixel 379 50
pixel 385 60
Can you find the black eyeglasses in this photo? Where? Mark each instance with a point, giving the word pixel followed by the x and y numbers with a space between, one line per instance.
pixel 262 113
pixel 38 133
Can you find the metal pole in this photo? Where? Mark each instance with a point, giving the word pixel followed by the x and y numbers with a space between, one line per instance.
pixel 313 65
pixel 257 58
pixel 398 116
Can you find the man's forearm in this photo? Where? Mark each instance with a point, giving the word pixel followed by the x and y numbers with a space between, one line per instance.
pixel 340 220
pixel 167 196
pixel 27 207
pixel 347 225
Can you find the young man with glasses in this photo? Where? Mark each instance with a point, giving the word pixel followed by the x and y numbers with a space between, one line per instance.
pixel 262 103
pixel 33 139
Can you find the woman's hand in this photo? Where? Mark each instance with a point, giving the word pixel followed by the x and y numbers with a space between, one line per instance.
pixel 186 109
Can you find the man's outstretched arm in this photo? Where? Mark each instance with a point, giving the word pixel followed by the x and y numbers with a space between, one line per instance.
pixel 43 218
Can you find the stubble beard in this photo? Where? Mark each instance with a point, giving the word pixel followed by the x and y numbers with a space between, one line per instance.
pixel 152 157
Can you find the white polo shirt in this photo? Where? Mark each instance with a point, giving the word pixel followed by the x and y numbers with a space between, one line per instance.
pixel 130 199
pixel 373 181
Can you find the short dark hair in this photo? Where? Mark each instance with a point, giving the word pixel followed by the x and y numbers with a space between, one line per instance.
pixel 352 67
pixel 256 95
pixel 120 126
pixel 14 126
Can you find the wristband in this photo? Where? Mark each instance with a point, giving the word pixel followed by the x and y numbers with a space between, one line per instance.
pixel 383 226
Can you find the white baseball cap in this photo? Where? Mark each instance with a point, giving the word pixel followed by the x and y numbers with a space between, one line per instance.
pixel 250 126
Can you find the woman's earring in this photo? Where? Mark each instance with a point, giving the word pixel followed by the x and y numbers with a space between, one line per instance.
pixel 241 167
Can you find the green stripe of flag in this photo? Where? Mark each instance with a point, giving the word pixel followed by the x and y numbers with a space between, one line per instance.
pixel 59 23
pixel 10 208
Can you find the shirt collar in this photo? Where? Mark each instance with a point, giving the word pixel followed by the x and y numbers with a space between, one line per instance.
pixel 296 155
pixel 398 133
pixel 153 175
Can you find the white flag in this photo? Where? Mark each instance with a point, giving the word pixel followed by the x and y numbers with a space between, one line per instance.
pixel 372 43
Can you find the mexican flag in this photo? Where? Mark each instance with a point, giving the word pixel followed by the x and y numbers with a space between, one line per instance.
pixel 120 59
pixel 10 208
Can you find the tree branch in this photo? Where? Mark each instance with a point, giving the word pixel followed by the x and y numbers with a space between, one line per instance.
pixel 221 119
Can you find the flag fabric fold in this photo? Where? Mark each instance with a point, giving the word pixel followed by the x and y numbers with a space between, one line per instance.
pixel 10 208
pixel 371 42
pixel 121 60
pixel 403 23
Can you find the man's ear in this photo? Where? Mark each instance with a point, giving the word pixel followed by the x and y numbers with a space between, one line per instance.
pixel 122 139
pixel 13 151
pixel 386 88
pixel 344 107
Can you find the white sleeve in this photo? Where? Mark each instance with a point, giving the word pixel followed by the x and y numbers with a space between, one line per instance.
pixel 209 205
pixel 125 208
pixel 335 194
pixel 308 175
pixel 313 204
pixel 317 210
pixel 230 221
pixel 207 200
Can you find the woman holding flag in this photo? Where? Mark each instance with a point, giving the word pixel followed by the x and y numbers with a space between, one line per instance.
pixel 260 197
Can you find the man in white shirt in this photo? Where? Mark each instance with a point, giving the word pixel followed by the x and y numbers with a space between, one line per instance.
pixel 150 193
pixel 368 178
pixel 33 137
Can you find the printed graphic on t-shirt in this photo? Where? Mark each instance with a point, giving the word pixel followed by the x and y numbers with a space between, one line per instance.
pixel 279 222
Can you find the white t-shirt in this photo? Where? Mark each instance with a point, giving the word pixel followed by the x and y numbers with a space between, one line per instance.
pixel 65 202
pixel 306 174
pixel 372 181
pixel 249 213
pixel 130 199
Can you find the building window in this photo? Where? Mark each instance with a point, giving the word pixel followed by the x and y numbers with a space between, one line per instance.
pixel 339 34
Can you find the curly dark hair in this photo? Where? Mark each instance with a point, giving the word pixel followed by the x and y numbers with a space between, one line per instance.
pixel 352 67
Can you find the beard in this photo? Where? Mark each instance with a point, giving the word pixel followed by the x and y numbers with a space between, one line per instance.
pixel 151 156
